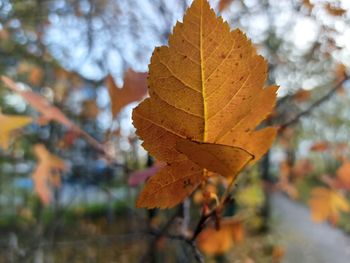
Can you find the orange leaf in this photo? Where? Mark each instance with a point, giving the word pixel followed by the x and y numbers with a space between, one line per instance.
pixel 9 124
pixel 340 71
pixel 343 175
pixel 4 34
pixel 36 76
pixel 302 95
pixel 223 4
pixel 48 111
pixel 134 89
pixel 302 168
pixel 284 183
pixel 308 4
pixel 278 254
pixel 327 204
pixel 90 109
pixel 38 102
pixel 46 174
pixel 320 147
pixel 139 177
pixel 206 99
pixel 218 242
pixel 205 195
pixel 334 11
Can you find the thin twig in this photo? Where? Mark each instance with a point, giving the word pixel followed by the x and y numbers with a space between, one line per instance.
pixel 190 241
pixel 161 233
pixel 201 224
pixel 196 253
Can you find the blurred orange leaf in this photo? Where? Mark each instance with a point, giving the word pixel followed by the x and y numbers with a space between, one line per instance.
pixel 302 168
pixel 90 109
pixel 334 11
pixel 68 139
pixel 286 136
pixel 284 183
pixel 340 71
pixel 340 74
pixel 46 174
pixel 341 91
pixel 4 34
pixel 302 95
pixel 41 104
pixel 36 76
pixel 205 195
pixel 343 175
pixel 139 177
pixel 319 147
pixel 48 111
pixel 10 123
pixel 34 73
pixel 327 204
pixel 134 89
pixel 223 4
pixel 218 242
pixel 206 101
pixel 308 4
pixel 278 254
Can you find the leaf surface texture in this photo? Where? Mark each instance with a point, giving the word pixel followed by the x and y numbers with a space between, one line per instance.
pixel 207 97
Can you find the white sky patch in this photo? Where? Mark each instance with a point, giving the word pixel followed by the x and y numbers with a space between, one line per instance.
pixel 16 102
pixel 104 120
pixel 102 98
pixel 258 23
pixel 310 84
pixel 345 4
pixel 304 33
pixel 344 39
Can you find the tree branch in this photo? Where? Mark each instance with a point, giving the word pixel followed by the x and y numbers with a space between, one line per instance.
pixel 190 241
pixel 159 234
pixel 317 103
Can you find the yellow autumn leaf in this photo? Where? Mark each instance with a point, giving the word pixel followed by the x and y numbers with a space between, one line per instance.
pixel 327 204
pixel 217 242
pixel 207 97
pixel 47 173
pixel 8 125
pixel 222 159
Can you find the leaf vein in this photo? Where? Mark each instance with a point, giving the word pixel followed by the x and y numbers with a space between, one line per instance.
pixel 177 77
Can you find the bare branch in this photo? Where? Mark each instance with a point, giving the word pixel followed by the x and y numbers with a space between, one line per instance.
pixel 317 103
pixel 159 234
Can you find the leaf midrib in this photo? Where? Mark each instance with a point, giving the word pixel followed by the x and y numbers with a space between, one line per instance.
pixel 202 72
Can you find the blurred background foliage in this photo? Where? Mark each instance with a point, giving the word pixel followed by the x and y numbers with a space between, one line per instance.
pixel 65 49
